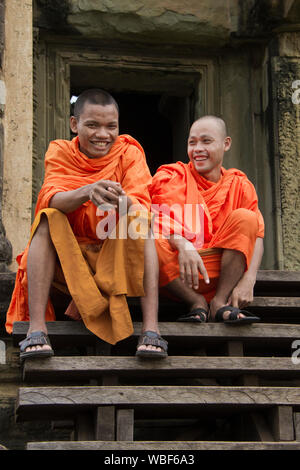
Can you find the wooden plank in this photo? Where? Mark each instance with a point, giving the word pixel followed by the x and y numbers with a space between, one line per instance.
pixel 66 333
pixel 277 276
pixel 159 445
pixel 296 419
pixel 80 368
pixel 276 302
pixel 105 423
pixel 44 401
pixel 125 425
pixel 281 419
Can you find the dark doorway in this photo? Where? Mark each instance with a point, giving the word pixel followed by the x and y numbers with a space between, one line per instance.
pixel 159 122
pixel 141 118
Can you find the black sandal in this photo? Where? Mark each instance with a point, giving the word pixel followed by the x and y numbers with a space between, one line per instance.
pixel 36 338
pixel 154 339
pixel 191 316
pixel 233 316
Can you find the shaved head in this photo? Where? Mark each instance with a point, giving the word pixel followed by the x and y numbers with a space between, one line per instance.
pixel 218 121
pixel 93 96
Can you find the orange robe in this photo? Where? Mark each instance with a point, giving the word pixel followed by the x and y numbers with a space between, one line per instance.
pixel 95 271
pixel 230 219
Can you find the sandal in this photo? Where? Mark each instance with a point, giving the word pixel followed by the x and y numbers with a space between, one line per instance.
pixel 191 316
pixel 36 338
pixel 154 339
pixel 233 317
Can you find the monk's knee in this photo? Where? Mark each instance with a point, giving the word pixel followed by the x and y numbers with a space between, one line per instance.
pixel 245 220
pixel 43 229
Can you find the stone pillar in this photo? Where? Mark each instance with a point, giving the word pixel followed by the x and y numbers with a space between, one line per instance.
pixel 5 246
pixel 18 118
pixel 286 118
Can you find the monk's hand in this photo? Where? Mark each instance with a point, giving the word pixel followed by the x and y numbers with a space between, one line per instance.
pixel 190 264
pixel 106 192
pixel 242 294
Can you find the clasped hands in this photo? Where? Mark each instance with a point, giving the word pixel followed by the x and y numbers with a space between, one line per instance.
pixel 106 192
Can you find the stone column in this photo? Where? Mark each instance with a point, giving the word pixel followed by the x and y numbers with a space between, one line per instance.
pixel 5 246
pixel 286 104
pixel 18 118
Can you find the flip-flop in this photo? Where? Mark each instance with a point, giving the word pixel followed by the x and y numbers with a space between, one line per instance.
pixel 233 316
pixel 36 338
pixel 191 316
pixel 154 339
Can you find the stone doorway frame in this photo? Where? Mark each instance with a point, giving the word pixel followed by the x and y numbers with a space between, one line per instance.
pixel 52 84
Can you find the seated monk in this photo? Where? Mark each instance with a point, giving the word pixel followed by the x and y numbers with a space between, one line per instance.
pixel 211 268
pixel 69 248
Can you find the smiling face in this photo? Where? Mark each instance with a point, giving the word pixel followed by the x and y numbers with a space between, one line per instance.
pixel 97 128
pixel 207 143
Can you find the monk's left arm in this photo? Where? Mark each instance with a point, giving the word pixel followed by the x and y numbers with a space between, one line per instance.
pixel 242 294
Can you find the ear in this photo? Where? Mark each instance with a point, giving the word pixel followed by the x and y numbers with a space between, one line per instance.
pixel 227 144
pixel 73 124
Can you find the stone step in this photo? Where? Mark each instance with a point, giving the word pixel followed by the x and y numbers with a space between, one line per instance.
pixel 74 368
pixel 150 401
pixel 160 446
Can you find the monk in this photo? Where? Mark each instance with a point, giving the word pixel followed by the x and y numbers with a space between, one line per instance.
pixel 211 266
pixel 91 185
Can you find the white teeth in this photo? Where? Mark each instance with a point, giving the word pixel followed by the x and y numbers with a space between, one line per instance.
pixel 100 144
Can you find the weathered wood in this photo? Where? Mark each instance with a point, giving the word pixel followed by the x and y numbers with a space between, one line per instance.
pixel 66 333
pixel 105 423
pixel 281 419
pixel 296 419
pixel 44 401
pixel 125 425
pixel 277 276
pixel 81 368
pixel 159 445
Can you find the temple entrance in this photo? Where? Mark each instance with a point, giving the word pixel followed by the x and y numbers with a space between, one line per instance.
pixel 155 108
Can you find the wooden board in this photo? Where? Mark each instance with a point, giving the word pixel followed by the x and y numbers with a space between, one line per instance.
pixel 49 401
pixel 65 332
pixel 157 445
pixel 80 368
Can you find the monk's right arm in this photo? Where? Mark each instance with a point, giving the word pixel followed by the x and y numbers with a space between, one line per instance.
pixel 69 201
pixel 190 262
pixel 101 192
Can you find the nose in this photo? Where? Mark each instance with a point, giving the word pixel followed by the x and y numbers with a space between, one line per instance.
pixel 101 132
pixel 199 146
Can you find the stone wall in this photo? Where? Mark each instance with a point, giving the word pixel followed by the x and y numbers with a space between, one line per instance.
pixel 286 94
pixel 17 165
pixel 5 246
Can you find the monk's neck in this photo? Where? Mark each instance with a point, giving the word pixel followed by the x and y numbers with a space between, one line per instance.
pixel 213 176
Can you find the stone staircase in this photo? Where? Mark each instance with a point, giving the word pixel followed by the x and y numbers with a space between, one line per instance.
pixel 222 387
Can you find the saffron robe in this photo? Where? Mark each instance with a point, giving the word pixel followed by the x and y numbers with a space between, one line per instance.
pixel 96 272
pixel 230 218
